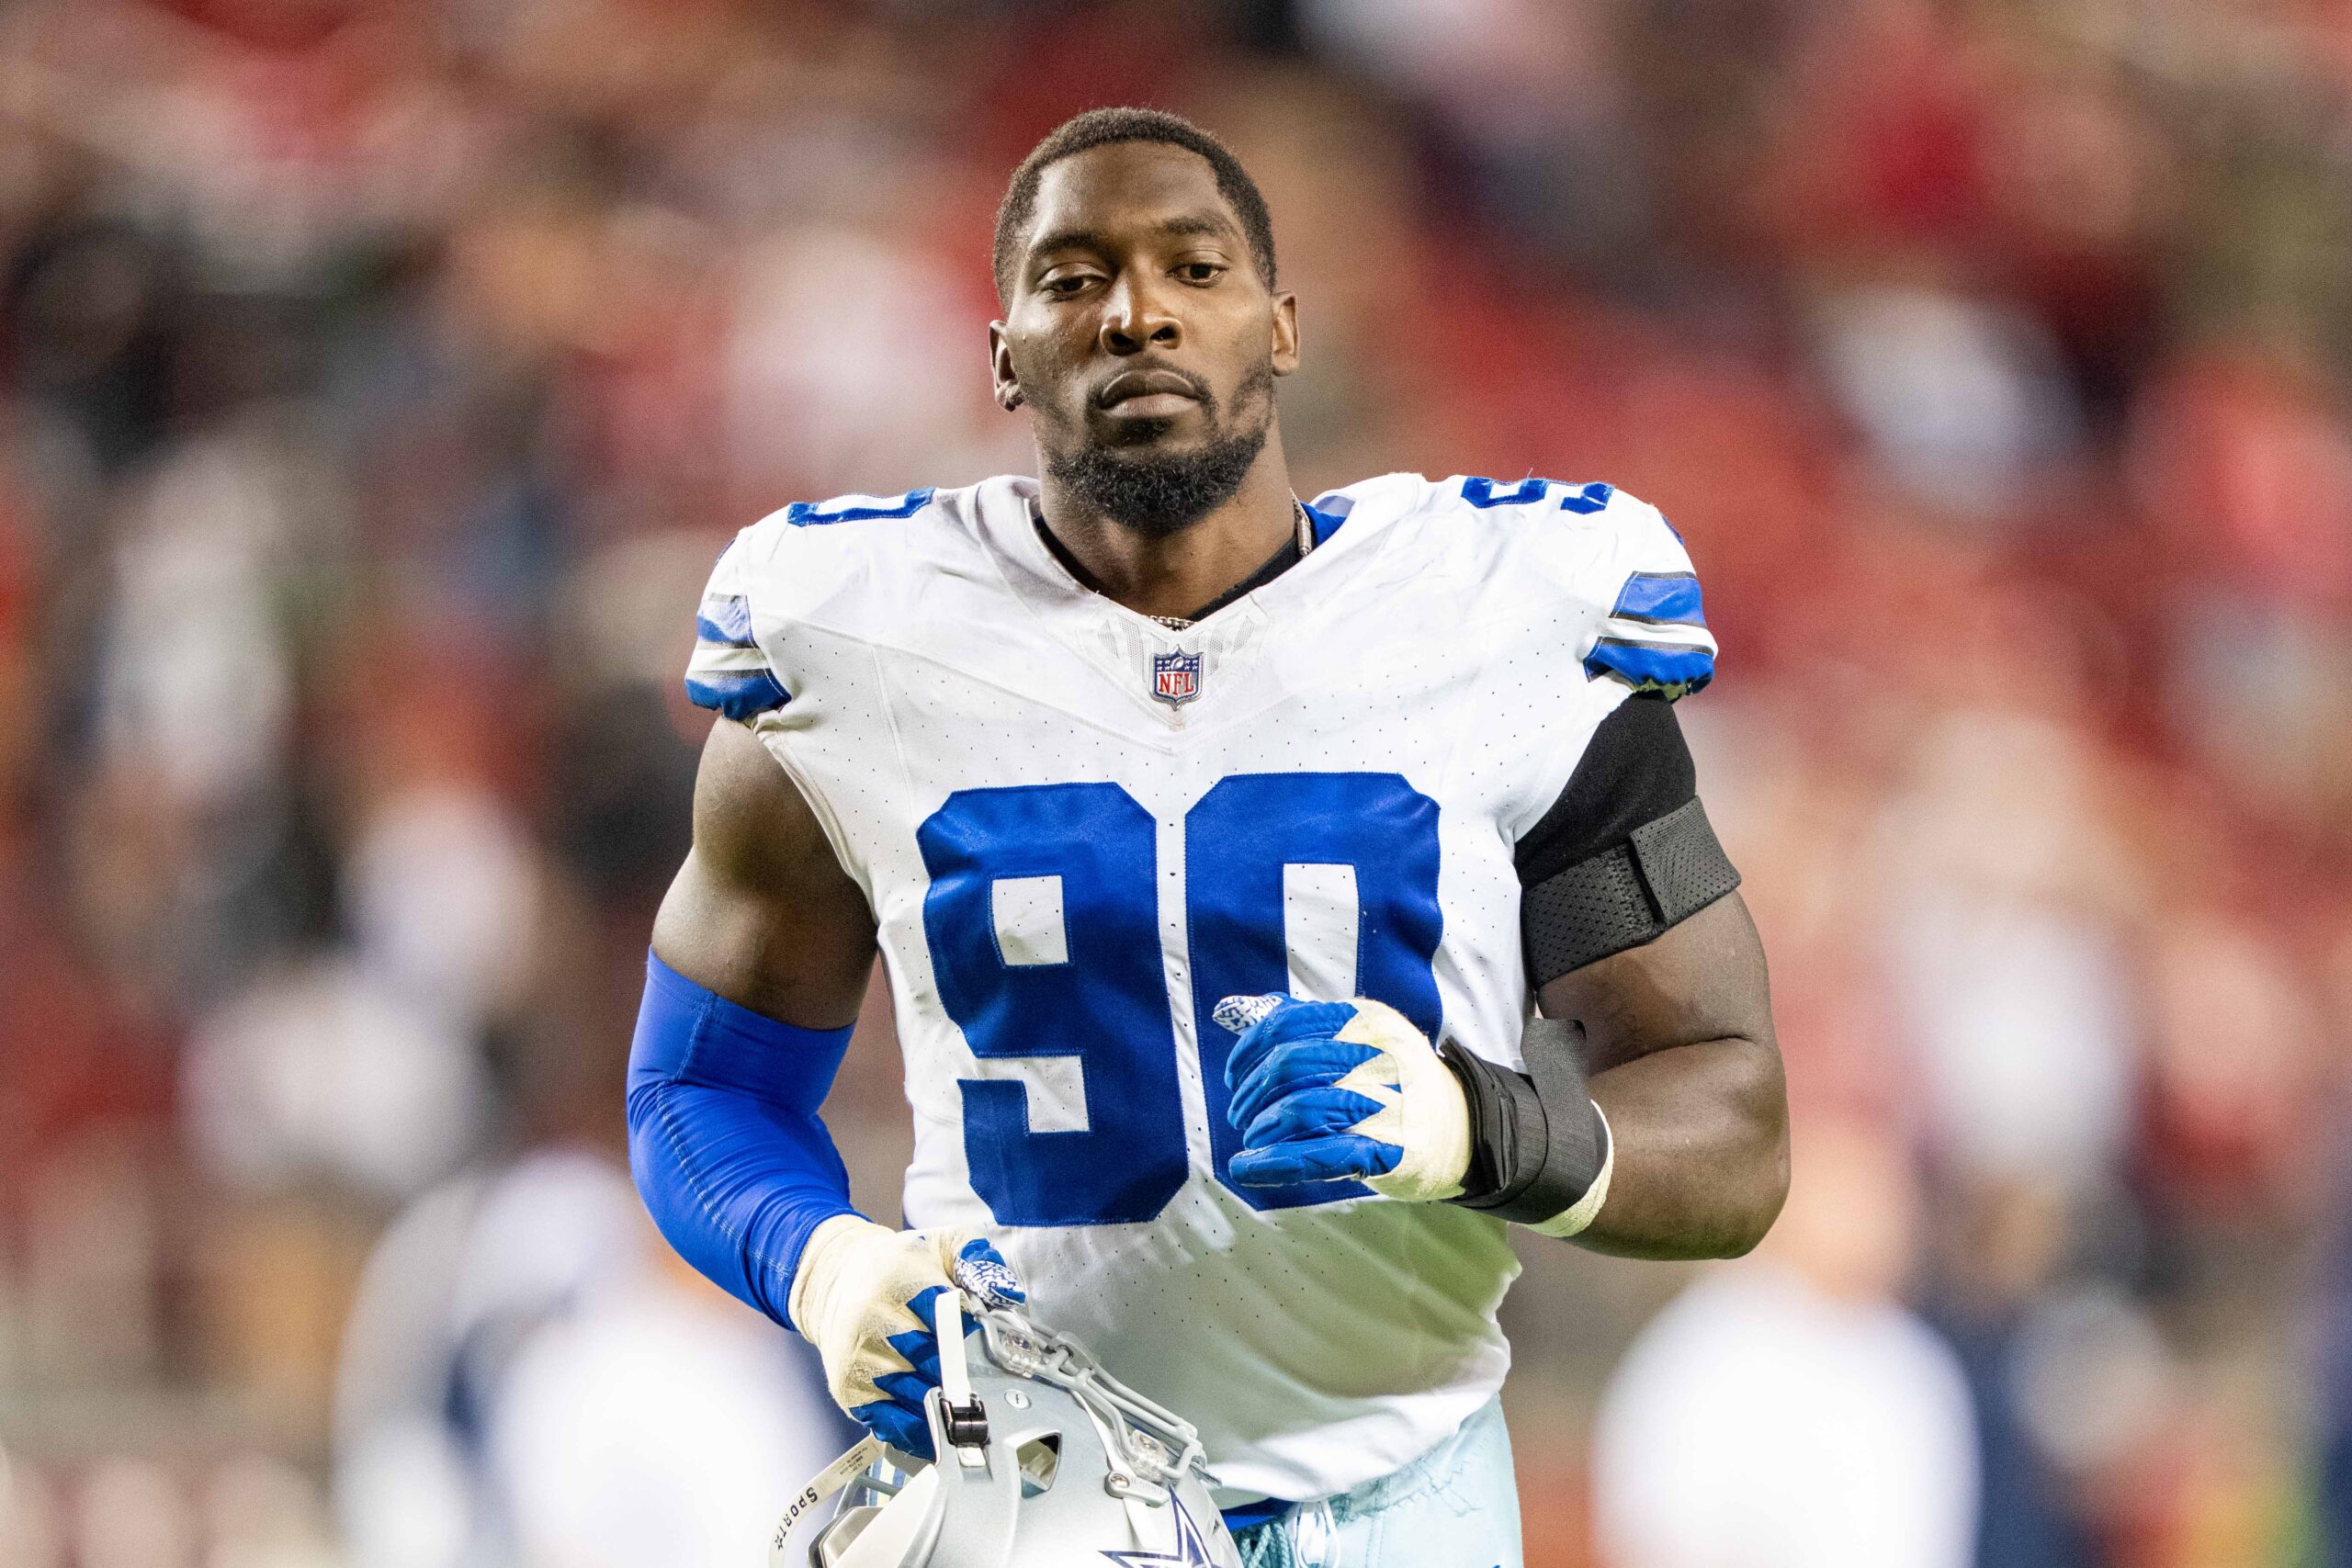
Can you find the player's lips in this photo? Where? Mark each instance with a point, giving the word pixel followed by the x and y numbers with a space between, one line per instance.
pixel 1147 394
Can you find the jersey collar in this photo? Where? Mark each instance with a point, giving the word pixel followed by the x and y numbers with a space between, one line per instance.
pixel 1225 649
pixel 1342 521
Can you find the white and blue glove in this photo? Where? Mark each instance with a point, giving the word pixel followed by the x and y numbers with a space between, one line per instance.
pixel 863 1295
pixel 1342 1091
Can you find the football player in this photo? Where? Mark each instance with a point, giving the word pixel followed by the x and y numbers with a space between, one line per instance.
pixel 1277 900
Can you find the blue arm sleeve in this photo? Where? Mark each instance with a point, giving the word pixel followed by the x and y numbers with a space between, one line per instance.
pixel 724 1138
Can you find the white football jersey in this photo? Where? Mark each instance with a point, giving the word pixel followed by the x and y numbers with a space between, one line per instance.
pixel 1080 830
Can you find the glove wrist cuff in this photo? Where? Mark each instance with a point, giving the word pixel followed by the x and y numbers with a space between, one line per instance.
pixel 1539 1148
pixel 1507 1129
pixel 1586 1209
pixel 810 1302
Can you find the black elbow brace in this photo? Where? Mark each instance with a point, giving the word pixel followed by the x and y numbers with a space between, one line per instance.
pixel 1537 1142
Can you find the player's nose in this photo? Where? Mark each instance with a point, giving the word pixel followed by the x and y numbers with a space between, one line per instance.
pixel 1135 317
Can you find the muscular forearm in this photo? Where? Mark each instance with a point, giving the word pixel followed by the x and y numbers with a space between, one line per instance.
pixel 1701 1151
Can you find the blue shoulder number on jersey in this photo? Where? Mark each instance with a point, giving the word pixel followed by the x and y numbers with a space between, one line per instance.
pixel 1586 498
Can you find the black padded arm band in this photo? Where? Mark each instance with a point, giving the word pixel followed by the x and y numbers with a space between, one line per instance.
pixel 1537 1144
pixel 1625 853
pixel 1629 894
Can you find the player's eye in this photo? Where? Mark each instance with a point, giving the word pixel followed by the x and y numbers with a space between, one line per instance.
pixel 1063 285
pixel 1200 271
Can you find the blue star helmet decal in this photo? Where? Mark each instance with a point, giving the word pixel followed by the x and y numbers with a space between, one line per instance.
pixel 1191 1552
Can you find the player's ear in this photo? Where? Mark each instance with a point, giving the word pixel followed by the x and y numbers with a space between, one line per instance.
pixel 1008 388
pixel 1286 346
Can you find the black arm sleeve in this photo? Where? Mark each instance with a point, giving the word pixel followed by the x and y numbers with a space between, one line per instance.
pixel 1625 853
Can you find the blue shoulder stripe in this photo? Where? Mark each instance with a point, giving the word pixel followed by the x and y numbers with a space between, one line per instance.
pixel 1662 598
pixel 857 508
pixel 724 621
pixel 1652 666
pixel 738 694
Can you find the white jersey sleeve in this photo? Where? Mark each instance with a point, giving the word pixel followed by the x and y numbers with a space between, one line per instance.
pixel 1592 598
pixel 729 672
pixel 1619 562
pixel 775 577
pixel 1652 633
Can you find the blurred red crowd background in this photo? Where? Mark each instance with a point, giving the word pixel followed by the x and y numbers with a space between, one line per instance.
pixel 377 382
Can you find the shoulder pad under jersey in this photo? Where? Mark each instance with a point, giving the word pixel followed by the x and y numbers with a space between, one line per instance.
pixel 776 567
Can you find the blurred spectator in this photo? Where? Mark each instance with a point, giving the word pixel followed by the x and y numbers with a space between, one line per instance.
pixel 325 1071
pixel 1963 404
pixel 2003 885
pixel 2007 1248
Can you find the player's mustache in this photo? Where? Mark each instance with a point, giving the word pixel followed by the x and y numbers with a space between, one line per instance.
pixel 1138 380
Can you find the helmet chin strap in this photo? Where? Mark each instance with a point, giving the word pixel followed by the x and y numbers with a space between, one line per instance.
pixel 955 1372
pixel 965 1418
pixel 851 1466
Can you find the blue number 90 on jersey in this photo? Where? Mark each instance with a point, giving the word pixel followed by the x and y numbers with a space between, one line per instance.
pixel 1102 994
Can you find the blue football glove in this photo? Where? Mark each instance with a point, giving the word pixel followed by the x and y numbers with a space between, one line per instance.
pixel 1342 1091
pixel 865 1294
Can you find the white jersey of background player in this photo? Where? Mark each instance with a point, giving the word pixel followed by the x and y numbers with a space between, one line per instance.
pixel 1086 758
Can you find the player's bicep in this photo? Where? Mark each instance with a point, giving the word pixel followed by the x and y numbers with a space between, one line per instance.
pixel 1630 917
pixel 761 912
pixel 1703 979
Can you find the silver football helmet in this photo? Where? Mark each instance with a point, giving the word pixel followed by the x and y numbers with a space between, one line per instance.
pixel 1044 1463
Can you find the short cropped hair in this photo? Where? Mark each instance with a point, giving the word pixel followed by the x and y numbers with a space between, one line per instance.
pixel 1104 128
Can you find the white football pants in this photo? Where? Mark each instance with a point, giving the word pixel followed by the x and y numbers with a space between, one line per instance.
pixel 1456 1507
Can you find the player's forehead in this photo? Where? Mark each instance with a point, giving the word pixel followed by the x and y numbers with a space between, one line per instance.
pixel 1127 192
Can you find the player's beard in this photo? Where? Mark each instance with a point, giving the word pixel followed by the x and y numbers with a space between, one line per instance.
pixel 1161 493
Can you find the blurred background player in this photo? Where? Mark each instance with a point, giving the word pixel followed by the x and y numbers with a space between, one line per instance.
pixel 1733 1402
pixel 1404 759
pixel 530 1376
pixel 376 382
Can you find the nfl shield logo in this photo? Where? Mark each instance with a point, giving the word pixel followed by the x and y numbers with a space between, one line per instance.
pixel 1176 677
